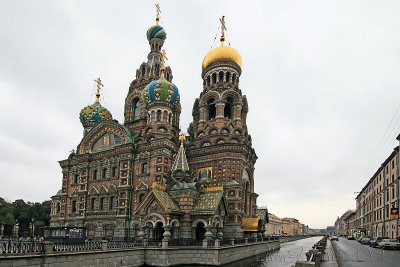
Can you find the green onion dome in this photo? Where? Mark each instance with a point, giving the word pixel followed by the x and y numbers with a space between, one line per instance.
pixel 156 31
pixel 160 90
pixel 93 114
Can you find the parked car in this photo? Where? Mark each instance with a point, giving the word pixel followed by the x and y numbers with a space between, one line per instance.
pixel 389 243
pixel 334 237
pixel 365 240
pixel 350 237
pixel 374 242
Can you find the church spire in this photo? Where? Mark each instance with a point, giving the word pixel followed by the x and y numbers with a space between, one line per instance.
pixel 180 160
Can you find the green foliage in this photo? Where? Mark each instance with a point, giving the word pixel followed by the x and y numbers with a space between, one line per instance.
pixel 23 212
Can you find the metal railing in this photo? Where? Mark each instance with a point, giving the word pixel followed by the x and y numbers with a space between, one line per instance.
pixel 21 247
pixel 184 243
pixel 125 244
pixel 90 245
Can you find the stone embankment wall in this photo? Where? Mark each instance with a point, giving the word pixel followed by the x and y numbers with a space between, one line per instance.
pixel 140 256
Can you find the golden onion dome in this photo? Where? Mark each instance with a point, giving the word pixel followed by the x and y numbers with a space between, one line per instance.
pixel 222 53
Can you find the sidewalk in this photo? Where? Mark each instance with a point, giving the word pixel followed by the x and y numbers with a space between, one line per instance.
pixel 329 256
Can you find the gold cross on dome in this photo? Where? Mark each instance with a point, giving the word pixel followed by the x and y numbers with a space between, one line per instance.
pixel 98 84
pixel 223 28
pixel 158 12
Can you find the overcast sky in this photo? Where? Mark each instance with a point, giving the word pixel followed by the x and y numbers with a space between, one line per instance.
pixel 321 78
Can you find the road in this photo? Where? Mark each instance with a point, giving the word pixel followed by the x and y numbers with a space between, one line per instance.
pixel 350 253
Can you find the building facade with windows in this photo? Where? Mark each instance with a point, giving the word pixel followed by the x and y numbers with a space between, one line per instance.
pixel 141 178
pixel 377 203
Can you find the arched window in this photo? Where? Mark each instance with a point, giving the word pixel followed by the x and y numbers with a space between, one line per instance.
pixel 228 76
pixel 169 118
pixel 157 71
pixel 211 108
pixel 208 80
pixel 76 179
pixel 214 77
pixel 221 77
pixel 228 108
pixel 104 175
pixel 152 47
pixel 234 78
pixel 58 207
pixel 158 115
pixel 136 111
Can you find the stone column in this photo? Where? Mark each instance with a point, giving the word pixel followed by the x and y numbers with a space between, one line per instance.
pixel 203 113
pixel 48 247
pixel 166 236
pixel 141 234
pixel 219 106
pixel 237 110
pixel 208 236
pixel 104 244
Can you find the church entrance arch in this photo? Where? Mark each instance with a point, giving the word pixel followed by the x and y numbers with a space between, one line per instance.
pixel 200 231
pixel 158 231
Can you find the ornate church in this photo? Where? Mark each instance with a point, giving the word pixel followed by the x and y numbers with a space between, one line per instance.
pixel 139 178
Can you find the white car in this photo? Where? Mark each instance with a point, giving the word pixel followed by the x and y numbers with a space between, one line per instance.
pixel 389 243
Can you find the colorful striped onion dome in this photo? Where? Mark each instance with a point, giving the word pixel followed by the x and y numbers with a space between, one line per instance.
pixel 160 90
pixel 156 31
pixel 93 114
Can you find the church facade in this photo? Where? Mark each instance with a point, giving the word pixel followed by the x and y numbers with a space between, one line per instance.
pixel 142 179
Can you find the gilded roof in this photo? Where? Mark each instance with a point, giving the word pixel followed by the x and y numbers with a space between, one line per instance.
pixel 251 224
pixel 222 53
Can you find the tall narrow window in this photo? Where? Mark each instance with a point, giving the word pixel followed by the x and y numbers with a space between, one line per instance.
pixel 112 203
pixel 73 206
pixel 208 80
pixel 234 78
pixel 158 115
pixel 136 111
pixel 211 109
pixel 104 173
pixel 95 175
pixel 144 168
pixel 114 172
pixel 228 76
pixel 103 203
pixel 76 179
pixel 93 204
pixel 169 118
pixel 214 77
pixel 221 77
pixel 228 108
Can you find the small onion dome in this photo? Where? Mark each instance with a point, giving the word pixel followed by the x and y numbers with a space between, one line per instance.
pixel 222 53
pixel 156 31
pixel 160 90
pixel 93 114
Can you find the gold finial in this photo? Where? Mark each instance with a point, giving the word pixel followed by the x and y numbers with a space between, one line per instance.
pixel 223 29
pixel 98 84
pixel 163 58
pixel 182 138
pixel 158 13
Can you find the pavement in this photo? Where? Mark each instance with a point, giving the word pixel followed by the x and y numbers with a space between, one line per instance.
pixel 330 259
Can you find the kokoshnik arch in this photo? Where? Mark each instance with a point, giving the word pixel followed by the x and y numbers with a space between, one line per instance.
pixel 136 179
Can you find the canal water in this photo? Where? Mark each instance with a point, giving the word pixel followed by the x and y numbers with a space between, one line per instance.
pixel 286 256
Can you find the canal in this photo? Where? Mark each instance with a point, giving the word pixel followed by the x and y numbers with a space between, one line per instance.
pixel 286 256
